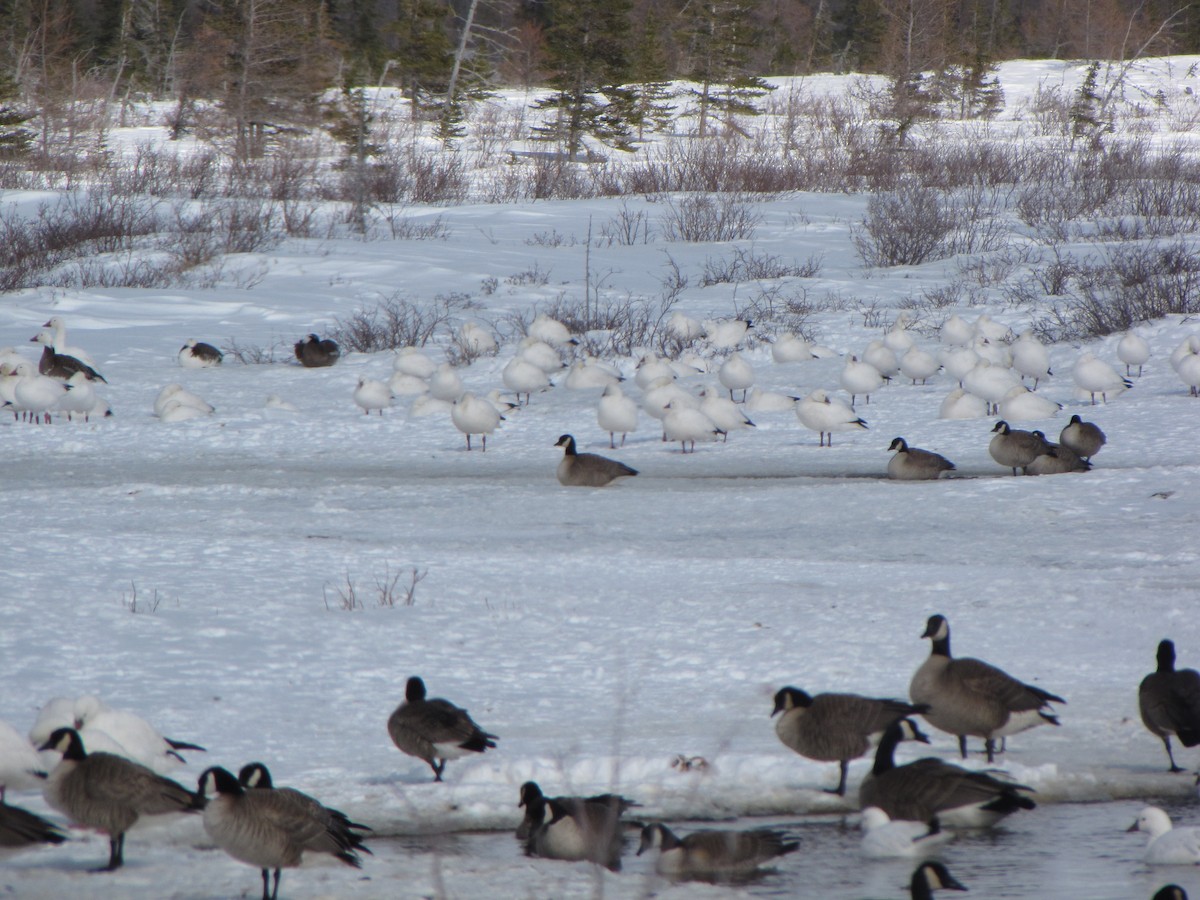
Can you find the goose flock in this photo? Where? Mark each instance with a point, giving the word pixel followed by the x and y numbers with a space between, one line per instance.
pixel 907 810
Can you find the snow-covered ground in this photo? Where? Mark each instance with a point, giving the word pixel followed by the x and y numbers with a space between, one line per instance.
pixel 195 573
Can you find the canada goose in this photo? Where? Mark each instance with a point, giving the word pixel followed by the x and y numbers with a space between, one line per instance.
pixel 736 375
pixel 108 792
pixel 20 828
pixel 371 394
pixel 930 877
pixel 1167 845
pixel 265 830
pixel 475 415
pixel 61 365
pixel 315 353
pixel 1169 700
pixel 834 727
pixel 435 730
pixel 1170 892
pixel 929 787
pixel 1095 376
pixel 911 464
pixel 196 354
pixel 1031 358
pixel 970 697
pixel 255 775
pixel 1015 449
pixel 918 364
pixel 533 801
pixel 20 767
pixel 687 424
pixel 523 377
pixel 587 469
pixel 1133 350
pixel 1085 438
pixel 713 853
pixel 1057 460
pixel 860 378
pixel 825 416
pixel 140 740
pixel 572 828
pixel 616 413
pixel 885 838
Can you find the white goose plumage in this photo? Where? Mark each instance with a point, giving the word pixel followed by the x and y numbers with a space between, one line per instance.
pixel 825 415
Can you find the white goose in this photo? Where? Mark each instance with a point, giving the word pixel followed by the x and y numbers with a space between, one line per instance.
pixel 1189 347
pixel 21 768
pixel 616 414
pixel 726 334
pixel 59 328
pixel 919 365
pixel 1133 350
pixel 1095 376
pixel 1031 358
pixel 990 382
pixel 371 394
pixel 883 358
pixel 36 395
pixel 760 401
pixel 445 384
pixel 961 404
pixel 788 348
pixel 884 837
pixel 824 415
pixel 1167 845
pixel 540 354
pixel 684 327
pixel 402 384
pixel 725 414
pixel 650 369
pixel 523 377
pixel 897 338
pixel 413 361
pixel 80 400
pixel 585 375
pixel 177 395
pixel 550 330
pixel 477 339
pixel 475 415
pixel 958 361
pixel 956 332
pixel 860 378
pixel 736 375
pixel 687 424
pixel 1021 405
pixel 141 741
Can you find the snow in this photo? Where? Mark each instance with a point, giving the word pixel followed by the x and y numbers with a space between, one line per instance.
pixel 194 572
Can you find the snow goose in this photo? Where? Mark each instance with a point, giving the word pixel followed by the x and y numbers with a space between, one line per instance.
pixel 274 401
pixel 1167 846
pixel 1169 701
pixel 661 394
pixel 434 729
pixel 713 853
pixel 175 410
pixel 475 415
pixel 61 365
pixel 550 331
pixel 1189 347
pixel 930 877
pixel 58 329
pixel 687 424
pixel 533 801
pixel 413 361
pixel 919 365
pixel 572 828
pixel 20 767
pixel 883 358
pixel 264 830
pixel 585 375
pixel 758 400
pixel 196 354
pixel 1095 376
pixel 371 394
pixel 1133 350
pixel 834 727
pixel 911 464
pixel 179 395
pixel 961 404
pixel 616 414
pixel 1057 460
pixel 1085 438
pixel 991 382
pixel 725 414
pixel 920 790
pixel 313 352
pixel 523 377
pixel 1189 373
pixel 21 829
pixel 897 338
pixel 684 328
pixel 428 405
pixel 141 741
pixel 958 362
pixel 994 352
pixel 80 400
pixel 1014 448
pixel 1030 357
pixel 651 368
pixel 885 838
pixel 860 378
pixel 36 395
pixel 736 375
pixel 1021 405
pixel 988 328
pixel 726 334
pixel 787 348
pixel 956 332
pixel 108 792
pixel 825 416
pixel 445 384
pixel 577 469
pixel 970 697
pixel 476 339
pixel 540 354
pixel 257 776
pixel 402 384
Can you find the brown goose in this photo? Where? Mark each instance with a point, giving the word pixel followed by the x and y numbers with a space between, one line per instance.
pixel 20 828
pixel 255 775
pixel 196 354
pixel 435 730
pixel 1169 700
pixel 1015 449
pixel 108 792
pixel 1085 438
pixel 911 464
pixel 266 829
pixel 534 801
pixel 587 469
pixel 713 853
pixel 573 828
pixel 970 697
pixel 835 727
pixel 315 353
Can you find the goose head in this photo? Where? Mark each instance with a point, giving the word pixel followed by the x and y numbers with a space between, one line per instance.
pixel 216 780
pixel 255 775
pixel 414 691
pixel 567 443
pixel 899 444
pixel 937 628
pixel 790 698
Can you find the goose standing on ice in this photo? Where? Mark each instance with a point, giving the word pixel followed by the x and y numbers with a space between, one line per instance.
pixel 1169 702
pixel 883 358
pixel 1133 350
pixel 1015 449
pixel 196 354
pixel 687 424
pixel 970 697
pixel 1031 358
pixel 616 414
pixel 141 741
pixel 36 395
pixel 911 464
pixel 1085 438
pixel 918 364
pixel 736 375
pixel 371 394
pixel 257 776
pixel 991 382
pixel 1095 376
pixel 587 469
pixel 475 415
pixel 434 729
pixel 725 414
pixel 860 378
pixel 1189 372
pixel 523 377
pixel 825 416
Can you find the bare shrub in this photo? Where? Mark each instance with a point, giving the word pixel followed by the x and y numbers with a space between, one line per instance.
pixel 254 355
pixel 905 227
pixel 778 308
pixel 748 265
pixel 615 326
pixel 627 228
pixel 141 604
pixel 407 228
pixel 552 238
pixel 389 593
pixel 395 322
pixel 707 218
pixel 531 276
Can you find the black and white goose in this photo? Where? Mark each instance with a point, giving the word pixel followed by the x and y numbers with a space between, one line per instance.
pixel 1169 701
pixel 911 464
pixel 577 469
pixel 574 829
pixel 434 729
pixel 968 697
pixel 196 354
pixel 932 876
pixel 313 352
pixel 534 803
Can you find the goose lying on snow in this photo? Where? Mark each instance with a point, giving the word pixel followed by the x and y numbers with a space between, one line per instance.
pixel 587 469
pixel 911 464
pixel 435 730
pixel 834 727
pixel 1169 702
pixel 1167 845
pixel 1056 460
pixel 970 697
pixel 313 352
pixel 413 361
pixel 713 853
pixel 196 354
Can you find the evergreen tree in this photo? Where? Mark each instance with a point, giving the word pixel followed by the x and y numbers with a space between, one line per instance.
pixel 423 54
pixel 720 35
pixel 1086 118
pixel 650 90
pixel 15 138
